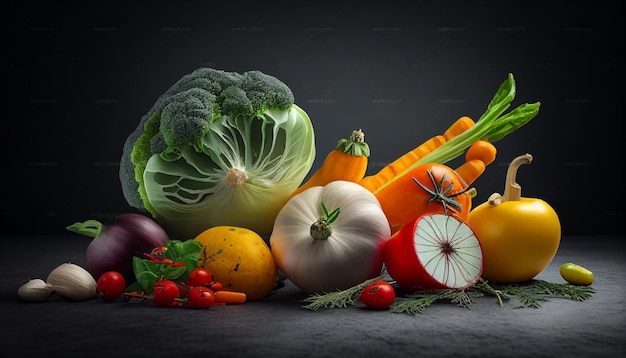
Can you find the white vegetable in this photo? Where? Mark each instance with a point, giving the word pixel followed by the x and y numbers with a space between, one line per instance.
pixel 72 282
pixel 318 256
pixel 35 290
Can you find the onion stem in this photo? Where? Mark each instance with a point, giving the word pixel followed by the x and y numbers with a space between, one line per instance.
pixel 91 228
pixel 320 229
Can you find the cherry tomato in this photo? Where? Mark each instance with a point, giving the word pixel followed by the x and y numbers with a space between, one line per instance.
pixel 378 295
pixel 166 293
pixel 200 277
pixel 110 285
pixel 200 297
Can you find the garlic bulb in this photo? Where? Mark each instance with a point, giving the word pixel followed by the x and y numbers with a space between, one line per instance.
pixel 72 282
pixel 35 290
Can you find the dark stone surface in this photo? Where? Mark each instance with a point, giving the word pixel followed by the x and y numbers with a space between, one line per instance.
pixel 278 326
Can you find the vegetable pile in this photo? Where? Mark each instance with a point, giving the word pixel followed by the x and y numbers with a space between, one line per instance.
pixel 217 167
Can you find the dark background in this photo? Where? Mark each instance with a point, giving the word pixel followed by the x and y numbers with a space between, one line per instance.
pixel 78 76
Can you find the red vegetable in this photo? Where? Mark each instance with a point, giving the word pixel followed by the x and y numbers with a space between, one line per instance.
pixel 110 285
pixel 378 295
pixel 428 188
pixel 166 293
pixel 200 277
pixel 201 297
pixel 434 251
pixel 118 240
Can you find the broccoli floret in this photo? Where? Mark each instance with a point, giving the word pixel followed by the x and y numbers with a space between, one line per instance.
pixel 217 115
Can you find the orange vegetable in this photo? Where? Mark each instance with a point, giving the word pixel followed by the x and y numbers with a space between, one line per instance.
pixel 478 156
pixel 427 188
pixel 407 161
pixel 461 125
pixel 471 170
pixel 348 161
pixel 230 297
pixel 482 150
pixel 373 182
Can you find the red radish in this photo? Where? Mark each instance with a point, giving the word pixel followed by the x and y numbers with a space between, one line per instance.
pixel 434 251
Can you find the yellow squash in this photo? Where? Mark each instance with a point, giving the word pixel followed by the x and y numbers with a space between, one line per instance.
pixel 519 236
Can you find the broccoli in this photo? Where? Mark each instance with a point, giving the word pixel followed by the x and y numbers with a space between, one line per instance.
pixel 218 148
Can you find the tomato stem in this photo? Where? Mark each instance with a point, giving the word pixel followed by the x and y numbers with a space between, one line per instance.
pixel 440 193
pixel 512 190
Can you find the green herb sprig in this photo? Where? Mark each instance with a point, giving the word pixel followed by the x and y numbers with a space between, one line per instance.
pixel 530 295
pixel 337 299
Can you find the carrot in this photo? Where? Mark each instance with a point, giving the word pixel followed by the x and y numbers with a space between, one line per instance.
pixel 477 157
pixel 461 125
pixel 230 297
pixel 372 182
pixel 471 170
pixel 348 161
pixel 482 150
pixel 407 161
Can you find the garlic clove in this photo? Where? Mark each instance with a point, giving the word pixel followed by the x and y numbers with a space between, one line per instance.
pixel 72 282
pixel 35 290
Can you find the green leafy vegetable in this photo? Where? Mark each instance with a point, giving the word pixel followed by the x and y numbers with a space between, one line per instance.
pixel 148 272
pixel 492 125
pixel 218 148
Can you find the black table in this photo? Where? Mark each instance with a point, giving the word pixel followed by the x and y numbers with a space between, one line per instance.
pixel 278 326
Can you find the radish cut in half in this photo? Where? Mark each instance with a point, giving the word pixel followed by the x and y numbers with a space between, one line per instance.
pixel 434 251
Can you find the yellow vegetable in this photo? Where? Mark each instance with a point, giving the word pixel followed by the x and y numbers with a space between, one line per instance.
pixel 239 259
pixel 576 275
pixel 519 236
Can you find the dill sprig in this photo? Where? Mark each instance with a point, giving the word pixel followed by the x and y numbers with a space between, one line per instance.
pixel 530 295
pixel 417 302
pixel 534 292
pixel 337 299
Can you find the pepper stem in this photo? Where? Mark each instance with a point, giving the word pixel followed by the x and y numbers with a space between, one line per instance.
pixel 354 145
pixel 91 228
pixel 321 230
pixel 512 190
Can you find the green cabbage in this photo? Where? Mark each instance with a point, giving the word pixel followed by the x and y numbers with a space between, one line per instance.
pixel 218 148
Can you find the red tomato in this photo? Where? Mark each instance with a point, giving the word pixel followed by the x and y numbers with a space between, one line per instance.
pixel 378 295
pixel 110 285
pixel 428 188
pixel 200 297
pixel 166 293
pixel 200 277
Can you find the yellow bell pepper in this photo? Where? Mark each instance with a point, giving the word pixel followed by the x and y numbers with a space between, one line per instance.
pixel 519 236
